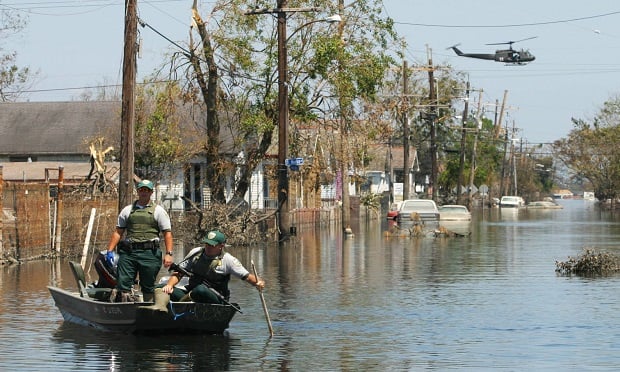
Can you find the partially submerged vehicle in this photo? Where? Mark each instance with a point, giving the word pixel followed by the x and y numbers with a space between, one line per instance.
pixel 511 202
pixel 543 204
pixel 417 211
pixel 454 212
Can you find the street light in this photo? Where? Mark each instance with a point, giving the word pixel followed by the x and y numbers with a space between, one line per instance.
pixel 282 214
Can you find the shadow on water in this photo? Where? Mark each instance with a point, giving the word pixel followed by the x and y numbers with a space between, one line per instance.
pixel 90 349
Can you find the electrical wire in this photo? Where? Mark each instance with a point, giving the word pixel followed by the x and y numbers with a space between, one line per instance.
pixel 511 25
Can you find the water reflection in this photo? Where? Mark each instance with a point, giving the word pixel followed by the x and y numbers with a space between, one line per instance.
pixel 487 301
pixel 113 352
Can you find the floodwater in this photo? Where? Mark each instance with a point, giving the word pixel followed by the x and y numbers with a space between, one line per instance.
pixel 490 301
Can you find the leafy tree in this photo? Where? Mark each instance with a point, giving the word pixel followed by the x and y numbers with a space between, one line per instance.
pixel 231 68
pixel 163 133
pixel 591 150
pixel 13 79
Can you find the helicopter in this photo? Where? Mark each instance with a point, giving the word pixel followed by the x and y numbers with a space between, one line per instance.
pixel 508 56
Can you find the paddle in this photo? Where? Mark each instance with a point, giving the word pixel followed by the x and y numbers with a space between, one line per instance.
pixel 262 300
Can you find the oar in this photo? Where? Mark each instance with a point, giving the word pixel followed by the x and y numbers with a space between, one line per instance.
pixel 262 300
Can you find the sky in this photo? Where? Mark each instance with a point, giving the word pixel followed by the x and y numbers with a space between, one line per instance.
pixel 75 44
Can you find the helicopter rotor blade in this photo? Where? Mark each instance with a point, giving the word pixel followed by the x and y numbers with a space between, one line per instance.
pixel 512 42
pixel 453 46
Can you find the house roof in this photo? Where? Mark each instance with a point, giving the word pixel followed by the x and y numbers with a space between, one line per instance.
pixel 38 128
pixel 63 128
pixel 380 153
pixel 36 171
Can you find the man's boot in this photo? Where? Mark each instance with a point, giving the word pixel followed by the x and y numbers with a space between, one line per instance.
pixel 186 298
pixel 147 297
pixel 161 301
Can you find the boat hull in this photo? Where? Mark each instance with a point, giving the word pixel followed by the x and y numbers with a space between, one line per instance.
pixel 135 317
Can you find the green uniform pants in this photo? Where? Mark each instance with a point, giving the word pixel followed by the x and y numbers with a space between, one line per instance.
pixel 145 262
pixel 199 294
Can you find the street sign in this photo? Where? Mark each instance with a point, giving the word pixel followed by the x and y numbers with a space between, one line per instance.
pixel 294 163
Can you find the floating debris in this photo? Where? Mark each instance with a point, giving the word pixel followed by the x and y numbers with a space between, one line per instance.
pixel 589 263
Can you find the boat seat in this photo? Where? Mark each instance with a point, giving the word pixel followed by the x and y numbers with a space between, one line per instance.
pixel 87 291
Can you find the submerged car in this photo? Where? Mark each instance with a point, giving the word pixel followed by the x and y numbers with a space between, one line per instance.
pixel 511 202
pixel 454 212
pixel 417 211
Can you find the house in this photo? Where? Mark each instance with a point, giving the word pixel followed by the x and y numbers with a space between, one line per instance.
pixel 53 131
pixel 388 163
pixel 38 137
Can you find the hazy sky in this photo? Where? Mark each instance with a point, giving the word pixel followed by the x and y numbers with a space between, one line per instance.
pixel 76 44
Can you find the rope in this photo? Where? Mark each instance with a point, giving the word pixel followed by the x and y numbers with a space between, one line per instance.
pixel 175 316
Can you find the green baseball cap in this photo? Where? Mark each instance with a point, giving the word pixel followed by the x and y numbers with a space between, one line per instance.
pixel 145 183
pixel 214 238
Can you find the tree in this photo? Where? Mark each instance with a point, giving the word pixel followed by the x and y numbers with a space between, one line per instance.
pixel 231 69
pixel 13 79
pixel 591 150
pixel 163 133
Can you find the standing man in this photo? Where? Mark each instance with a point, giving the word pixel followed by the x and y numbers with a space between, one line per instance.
pixel 139 253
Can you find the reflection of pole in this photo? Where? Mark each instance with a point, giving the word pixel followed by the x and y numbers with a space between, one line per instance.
pixel 463 138
pixel 283 186
pixel 125 187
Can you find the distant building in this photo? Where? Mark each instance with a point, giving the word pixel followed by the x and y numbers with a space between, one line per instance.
pixel 563 194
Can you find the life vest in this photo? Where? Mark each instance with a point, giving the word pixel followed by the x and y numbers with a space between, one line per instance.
pixel 141 224
pixel 203 268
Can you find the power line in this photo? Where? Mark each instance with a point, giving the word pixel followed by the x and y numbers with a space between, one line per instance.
pixel 510 25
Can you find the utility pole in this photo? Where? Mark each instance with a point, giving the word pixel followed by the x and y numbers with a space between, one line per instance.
pixel 283 217
pixel 405 118
pixel 503 180
pixel 498 124
pixel 283 185
pixel 432 117
pixel 473 152
pixel 125 187
pixel 463 138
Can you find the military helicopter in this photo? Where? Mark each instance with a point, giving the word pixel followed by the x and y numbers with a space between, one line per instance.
pixel 508 56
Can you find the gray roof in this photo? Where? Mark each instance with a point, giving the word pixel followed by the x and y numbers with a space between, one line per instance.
pixel 54 127
pixel 36 171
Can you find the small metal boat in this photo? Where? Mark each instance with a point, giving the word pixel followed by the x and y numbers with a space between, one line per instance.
pixel 89 306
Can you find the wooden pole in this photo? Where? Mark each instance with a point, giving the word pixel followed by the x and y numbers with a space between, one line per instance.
pixel 262 300
pixel 60 210
pixel 87 239
pixel 125 187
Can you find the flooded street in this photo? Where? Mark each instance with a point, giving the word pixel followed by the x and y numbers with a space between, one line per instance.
pixel 490 301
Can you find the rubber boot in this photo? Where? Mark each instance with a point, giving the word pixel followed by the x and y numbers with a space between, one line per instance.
pixel 186 298
pixel 161 301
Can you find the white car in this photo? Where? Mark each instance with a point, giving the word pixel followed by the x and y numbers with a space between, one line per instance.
pixel 454 212
pixel 415 211
pixel 511 202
